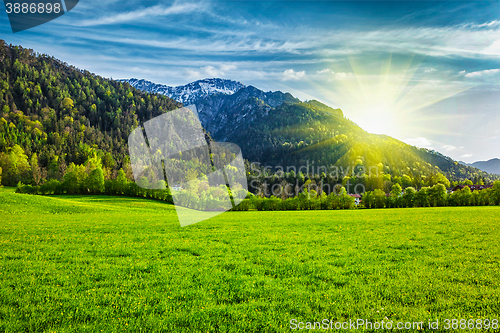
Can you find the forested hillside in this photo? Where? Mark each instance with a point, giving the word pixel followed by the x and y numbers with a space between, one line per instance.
pixel 300 134
pixel 65 115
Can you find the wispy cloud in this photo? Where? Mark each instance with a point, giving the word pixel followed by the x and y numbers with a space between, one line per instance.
pixel 216 35
pixel 492 24
pixel 449 147
pixel 466 155
pixel 483 73
pixel 448 41
pixel 140 14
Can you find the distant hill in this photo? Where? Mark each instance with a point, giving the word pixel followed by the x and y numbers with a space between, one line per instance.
pixel 491 166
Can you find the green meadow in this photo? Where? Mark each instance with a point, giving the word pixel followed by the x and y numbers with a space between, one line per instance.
pixel 115 264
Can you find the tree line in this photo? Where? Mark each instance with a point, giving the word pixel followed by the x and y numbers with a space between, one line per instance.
pixel 435 196
pixel 89 179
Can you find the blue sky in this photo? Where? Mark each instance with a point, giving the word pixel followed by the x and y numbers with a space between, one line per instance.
pixel 426 72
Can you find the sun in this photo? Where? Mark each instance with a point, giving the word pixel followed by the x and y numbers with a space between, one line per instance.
pixel 376 109
pixel 379 120
pixel 386 96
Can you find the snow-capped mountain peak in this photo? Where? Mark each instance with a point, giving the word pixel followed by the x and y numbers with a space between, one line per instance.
pixel 191 92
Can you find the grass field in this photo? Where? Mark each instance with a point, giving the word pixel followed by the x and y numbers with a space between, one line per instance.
pixel 110 264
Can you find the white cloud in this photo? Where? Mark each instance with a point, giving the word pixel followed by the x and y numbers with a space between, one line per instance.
pixel 291 75
pixel 483 73
pixel 326 71
pixel 466 155
pixel 419 142
pixel 227 67
pixel 136 15
pixel 449 147
pixel 335 75
pixel 210 71
pixel 204 72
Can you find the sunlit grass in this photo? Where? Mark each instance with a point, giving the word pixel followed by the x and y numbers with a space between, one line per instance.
pixel 86 264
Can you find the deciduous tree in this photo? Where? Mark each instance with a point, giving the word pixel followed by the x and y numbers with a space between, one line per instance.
pixel 15 166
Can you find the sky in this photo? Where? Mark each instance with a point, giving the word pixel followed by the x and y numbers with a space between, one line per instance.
pixel 426 72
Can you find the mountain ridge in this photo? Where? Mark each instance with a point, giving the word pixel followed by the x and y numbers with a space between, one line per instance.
pixel 189 93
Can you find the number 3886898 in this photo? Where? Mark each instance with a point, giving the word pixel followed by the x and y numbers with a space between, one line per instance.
pixel 33 8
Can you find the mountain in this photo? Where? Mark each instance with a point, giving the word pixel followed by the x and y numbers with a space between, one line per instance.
pixel 189 93
pixel 491 166
pixel 221 114
pixel 278 130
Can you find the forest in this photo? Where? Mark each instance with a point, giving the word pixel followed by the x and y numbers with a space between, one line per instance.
pixel 52 115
